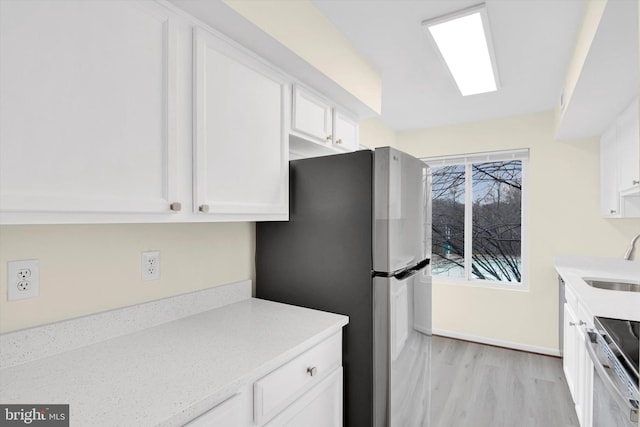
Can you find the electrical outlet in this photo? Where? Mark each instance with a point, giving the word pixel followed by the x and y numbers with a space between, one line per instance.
pixel 151 265
pixel 23 279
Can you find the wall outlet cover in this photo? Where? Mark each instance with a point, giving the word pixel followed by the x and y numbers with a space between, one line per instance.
pixel 23 279
pixel 150 265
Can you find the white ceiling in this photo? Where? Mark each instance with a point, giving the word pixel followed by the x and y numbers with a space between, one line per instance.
pixel 533 40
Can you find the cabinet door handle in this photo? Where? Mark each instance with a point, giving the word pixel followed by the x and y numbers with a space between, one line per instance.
pixel 635 181
pixel 580 323
pixel 339 141
pixel 204 208
pixel 329 137
pixel 175 206
pixel 312 370
pixel 613 211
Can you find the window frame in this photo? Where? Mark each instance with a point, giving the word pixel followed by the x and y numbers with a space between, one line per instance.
pixel 467 160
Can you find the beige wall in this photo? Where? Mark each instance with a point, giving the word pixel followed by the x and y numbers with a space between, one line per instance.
pixel 306 31
pixel 373 133
pixel 563 218
pixel 91 268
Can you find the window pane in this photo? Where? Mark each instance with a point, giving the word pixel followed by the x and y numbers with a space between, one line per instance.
pixel 497 214
pixel 448 221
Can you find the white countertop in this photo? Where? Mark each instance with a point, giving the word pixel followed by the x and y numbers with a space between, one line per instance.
pixel 170 373
pixel 602 302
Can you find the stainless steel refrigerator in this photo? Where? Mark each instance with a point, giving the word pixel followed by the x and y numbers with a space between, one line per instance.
pixel 358 242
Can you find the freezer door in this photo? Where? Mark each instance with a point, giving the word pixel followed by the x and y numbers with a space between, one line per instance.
pixel 402 204
pixel 402 350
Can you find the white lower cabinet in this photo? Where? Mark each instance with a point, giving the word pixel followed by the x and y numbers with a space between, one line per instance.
pixel 319 407
pixel 305 391
pixel 279 389
pixel 576 363
pixel 570 349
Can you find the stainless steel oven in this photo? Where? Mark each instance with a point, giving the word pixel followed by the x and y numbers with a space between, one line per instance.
pixel 613 347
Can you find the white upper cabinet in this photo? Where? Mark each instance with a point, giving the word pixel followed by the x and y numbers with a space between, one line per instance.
pixel 131 111
pixel 629 148
pixel 318 127
pixel 609 194
pixel 620 166
pixel 345 131
pixel 311 116
pixel 241 133
pixel 87 107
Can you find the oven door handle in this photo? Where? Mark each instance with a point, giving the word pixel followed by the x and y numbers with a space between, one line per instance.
pixel 608 382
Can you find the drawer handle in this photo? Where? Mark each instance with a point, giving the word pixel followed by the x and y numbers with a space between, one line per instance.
pixel 580 323
pixel 312 370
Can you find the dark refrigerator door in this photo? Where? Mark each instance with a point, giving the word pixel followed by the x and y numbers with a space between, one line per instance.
pixel 321 258
pixel 402 235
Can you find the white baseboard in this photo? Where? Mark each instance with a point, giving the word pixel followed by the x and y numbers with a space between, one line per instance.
pixel 498 343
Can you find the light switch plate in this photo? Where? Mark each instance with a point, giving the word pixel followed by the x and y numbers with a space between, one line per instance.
pixel 23 279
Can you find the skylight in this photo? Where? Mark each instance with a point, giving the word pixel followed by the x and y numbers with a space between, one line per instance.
pixel 464 41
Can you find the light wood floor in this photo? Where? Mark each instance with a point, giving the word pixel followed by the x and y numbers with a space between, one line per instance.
pixel 483 386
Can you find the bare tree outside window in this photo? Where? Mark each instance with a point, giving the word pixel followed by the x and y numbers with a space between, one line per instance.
pixel 496 226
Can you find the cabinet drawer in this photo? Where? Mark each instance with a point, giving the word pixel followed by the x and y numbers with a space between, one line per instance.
pixel 277 390
pixel 319 407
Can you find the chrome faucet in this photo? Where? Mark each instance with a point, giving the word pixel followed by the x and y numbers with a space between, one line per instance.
pixel 627 256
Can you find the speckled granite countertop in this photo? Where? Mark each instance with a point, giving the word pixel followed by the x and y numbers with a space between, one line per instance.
pixel 169 373
pixel 602 302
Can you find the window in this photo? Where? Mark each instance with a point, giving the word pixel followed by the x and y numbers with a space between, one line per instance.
pixel 477 214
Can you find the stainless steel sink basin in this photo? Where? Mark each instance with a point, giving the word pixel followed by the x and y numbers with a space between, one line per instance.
pixel 613 285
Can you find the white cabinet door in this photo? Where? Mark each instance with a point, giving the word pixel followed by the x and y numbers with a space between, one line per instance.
pixel 576 363
pixel 319 407
pixel 318 128
pixel 278 389
pixel 570 351
pixel 609 194
pixel 345 131
pixel 87 106
pixel 311 116
pixel 241 133
pixel 585 381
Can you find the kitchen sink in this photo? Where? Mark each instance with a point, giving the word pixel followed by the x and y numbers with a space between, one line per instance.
pixel 613 285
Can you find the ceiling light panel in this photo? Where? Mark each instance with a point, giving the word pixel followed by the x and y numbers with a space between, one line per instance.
pixel 464 42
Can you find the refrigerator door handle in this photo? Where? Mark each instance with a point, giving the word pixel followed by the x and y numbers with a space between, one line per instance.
pixel 410 272
pixel 403 274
